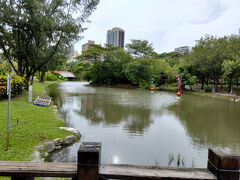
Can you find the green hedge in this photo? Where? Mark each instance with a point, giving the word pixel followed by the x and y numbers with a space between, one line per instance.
pixel 208 89
pixel 58 75
pixel 50 77
pixel 17 86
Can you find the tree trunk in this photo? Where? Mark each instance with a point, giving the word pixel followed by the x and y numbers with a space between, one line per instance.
pixel 32 79
pixel 42 79
pixel 231 89
pixel 202 83
pixel 27 78
pixel 216 84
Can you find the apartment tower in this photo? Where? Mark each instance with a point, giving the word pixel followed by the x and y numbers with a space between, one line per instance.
pixel 86 46
pixel 115 37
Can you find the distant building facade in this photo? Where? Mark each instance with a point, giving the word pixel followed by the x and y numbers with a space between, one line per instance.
pixel 71 54
pixel 182 49
pixel 115 37
pixel 86 46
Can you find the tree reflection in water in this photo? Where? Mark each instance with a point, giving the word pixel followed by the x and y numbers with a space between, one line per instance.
pixel 210 122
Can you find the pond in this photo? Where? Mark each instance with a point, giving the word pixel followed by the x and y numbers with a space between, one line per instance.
pixel 146 128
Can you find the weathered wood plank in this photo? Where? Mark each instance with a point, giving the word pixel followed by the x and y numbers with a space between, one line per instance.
pixel 38 169
pixel 110 171
pixel 106 171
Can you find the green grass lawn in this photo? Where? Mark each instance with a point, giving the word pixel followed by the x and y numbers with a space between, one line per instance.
pixel 29 126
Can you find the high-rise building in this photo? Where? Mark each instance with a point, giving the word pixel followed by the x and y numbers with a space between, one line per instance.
pixel 86 46
pixel 183 49
pixel 115 37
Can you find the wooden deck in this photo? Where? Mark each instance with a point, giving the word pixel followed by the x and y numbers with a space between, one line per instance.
pixel 130 172
pixel 222 165
pixel 106 171
pixel 38 169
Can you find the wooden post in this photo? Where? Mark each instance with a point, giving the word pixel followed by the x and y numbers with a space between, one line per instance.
pixel 88 161
pixel 224 164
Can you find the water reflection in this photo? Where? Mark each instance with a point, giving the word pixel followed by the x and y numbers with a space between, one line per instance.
pixel 210 122
pixel 131 108
pixel 140 127
pixel 115 159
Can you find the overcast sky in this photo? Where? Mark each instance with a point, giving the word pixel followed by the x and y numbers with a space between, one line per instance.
pixel 164 23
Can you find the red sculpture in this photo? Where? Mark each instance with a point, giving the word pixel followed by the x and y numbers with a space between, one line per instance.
pixel 179 80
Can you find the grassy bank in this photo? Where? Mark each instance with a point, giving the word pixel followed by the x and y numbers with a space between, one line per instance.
pixel 29 126
pixel 215 95
pixel 219 95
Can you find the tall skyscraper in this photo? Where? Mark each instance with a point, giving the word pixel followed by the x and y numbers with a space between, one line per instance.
pixel 115 37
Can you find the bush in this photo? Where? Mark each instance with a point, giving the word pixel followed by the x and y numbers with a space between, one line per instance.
pixel 17 86
pixel 139 72
pixel 208 89
pixel 59 76
pixel 50 77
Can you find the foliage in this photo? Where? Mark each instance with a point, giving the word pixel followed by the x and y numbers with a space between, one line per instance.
pixel 35 33
pixel 93 53
pixel 208 56
pixel 185 69
pixel 81 69
pixel 211 59
pixel 139 72
pixel 50 77
pixel 208 89
pixel 111 69
pixel 140 48
pixel 173 58
pixel 231 69
pixel 59 76
pixel 5 68
pixel 17 86
pixel 70 66
pixel 159 70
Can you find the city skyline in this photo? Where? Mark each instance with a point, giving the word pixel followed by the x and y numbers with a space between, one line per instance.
pixel 165 24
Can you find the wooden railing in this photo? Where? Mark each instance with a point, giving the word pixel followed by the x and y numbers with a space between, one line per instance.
pixel 222 164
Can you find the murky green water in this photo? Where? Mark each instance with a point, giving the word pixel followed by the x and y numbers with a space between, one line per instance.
pixel 145 128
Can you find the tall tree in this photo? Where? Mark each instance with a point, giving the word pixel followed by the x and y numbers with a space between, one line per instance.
pixel 231 71
pixel 32 32
pixel 93 53
pixel 140 48
pixel 208 56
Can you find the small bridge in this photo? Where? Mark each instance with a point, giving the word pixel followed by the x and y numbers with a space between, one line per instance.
pixel 67 74
pixel 222 165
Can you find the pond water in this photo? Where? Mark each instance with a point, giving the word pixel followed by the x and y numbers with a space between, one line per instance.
pixel 146 128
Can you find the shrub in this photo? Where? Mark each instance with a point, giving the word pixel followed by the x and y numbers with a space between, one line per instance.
pixel 208 89
pixel 50 77
pixel 17 86
pixel 139 72
pixel 59 76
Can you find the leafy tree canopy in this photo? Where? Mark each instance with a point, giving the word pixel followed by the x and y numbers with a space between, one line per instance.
pixel 140 48
pixel 34 32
